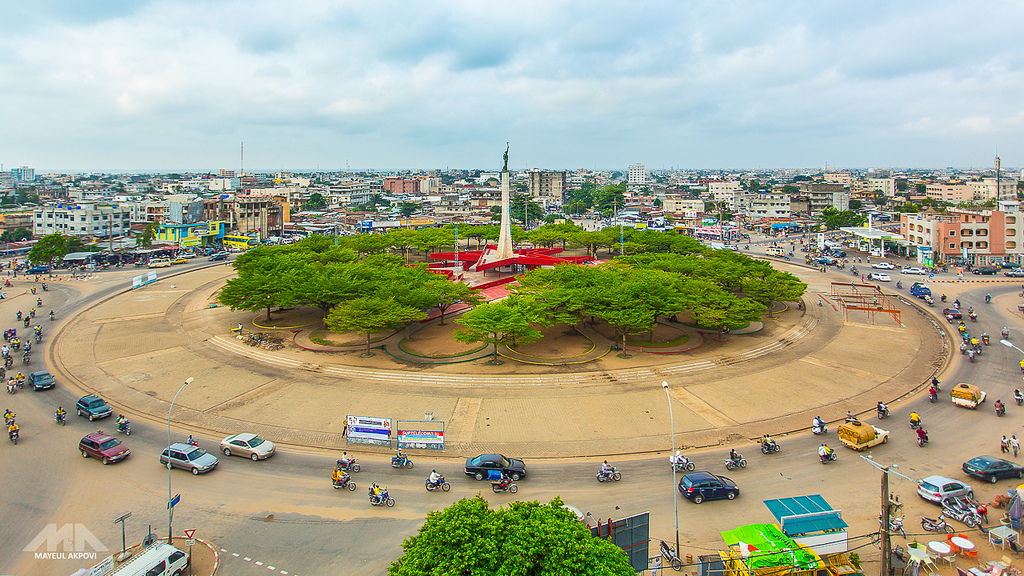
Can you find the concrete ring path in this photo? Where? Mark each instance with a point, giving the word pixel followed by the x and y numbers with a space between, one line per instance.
pixel 136 347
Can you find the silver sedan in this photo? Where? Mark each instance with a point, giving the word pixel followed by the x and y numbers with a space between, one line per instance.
pixel 247 445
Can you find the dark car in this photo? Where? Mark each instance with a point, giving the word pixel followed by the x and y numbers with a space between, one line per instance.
pixel 41 380
pixel 985 270
pixel 103 446
pixel 1015 273
pixel 952 312
pixel 479 467
pixel 218 256
pixel 992 469
pixel 1007 264
pixel 93 407
pixel 701 486
pixel 37 270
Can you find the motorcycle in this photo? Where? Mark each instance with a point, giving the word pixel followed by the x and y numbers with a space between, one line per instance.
pixel 770 447
pixel 883 413
pixel 943 297
pixel 444 486
pixel 1006 333
pixel 922 440
pixel 12 387
pixel 401 461
pixel 970 354
pixel 13 436
pixel 504 485
pixel 382 499
pixel 125 427
pixel 832 457
pixel 1000 410
pixel 915 424
pixel 815 429
pixel 1018 399
pixel 51 316
pixel 731 463
pixel 955 510
pixel 609 475
pixel 59 418
pixel 348 466
pixel 899 285
pixel 895 525
pixel 39 337
pixel 936 525
pixel 192 442
pixel 974 317
pixel 683 465
pixel 344 482
pixel 932 396
pixel 26 358
pixel 44 287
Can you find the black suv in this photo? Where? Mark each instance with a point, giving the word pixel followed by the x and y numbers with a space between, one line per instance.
pixel 41 380
pixel 479 467
pixel 93 407
pixel 701 486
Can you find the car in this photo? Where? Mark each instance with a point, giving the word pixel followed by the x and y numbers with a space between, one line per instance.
pixel 1015 273
pixel 884 266
pixel 826 260
pixel 218 256
pixel 187 255
pixel 41 380
pixel 479 466
pixel 103 446
pixel 953 313
pixel 991 469
pixel 701 486
pixel 879 277
pixel 912 270
pixel 247 445
pixel 920 290
pixel 37 270
pixel 985 271
pixel 93 407
pixel 1006 264
pixel 188 457
pixel 938 489
pixel 179 260
pixel 159 263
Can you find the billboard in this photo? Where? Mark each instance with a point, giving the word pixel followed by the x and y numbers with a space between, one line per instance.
pixel 368 430
pixel 188 241
pixel 421 434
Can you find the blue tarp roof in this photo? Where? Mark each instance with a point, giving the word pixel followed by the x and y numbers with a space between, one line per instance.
pixel 805 514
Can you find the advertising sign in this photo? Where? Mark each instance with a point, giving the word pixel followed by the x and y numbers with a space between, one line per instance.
pixel 417 434
pixel 143 279
pixel 203 230
pixel 368 430
pixel 188 241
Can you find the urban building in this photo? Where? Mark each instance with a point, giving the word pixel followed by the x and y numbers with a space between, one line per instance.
pixel 986 236
pixel 11 221
pixel 547 185
pixel 886 185
pixel 401 186
pixel 24 174
pixel 684 205
pixel 765 205
pixel 823 195
pixel 985 189
pixel 257 215
pixel 946 192
pixel 85 220
pixel 637 175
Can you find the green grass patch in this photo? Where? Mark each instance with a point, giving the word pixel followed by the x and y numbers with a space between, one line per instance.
pixel 658 343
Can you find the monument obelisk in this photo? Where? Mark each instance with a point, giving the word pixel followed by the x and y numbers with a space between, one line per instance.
pixel 504 251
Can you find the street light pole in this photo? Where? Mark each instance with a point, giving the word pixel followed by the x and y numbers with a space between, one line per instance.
pixel 675 492
pixel 170 510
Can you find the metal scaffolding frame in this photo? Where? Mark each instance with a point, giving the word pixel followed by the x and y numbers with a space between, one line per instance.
pixel 864 297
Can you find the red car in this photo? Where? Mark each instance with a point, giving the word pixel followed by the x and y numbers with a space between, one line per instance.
pixel 103 446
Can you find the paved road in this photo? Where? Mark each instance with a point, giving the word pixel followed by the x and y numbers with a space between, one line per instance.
pixel 317 530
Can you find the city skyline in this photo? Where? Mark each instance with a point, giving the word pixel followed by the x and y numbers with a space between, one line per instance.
pixel 171 86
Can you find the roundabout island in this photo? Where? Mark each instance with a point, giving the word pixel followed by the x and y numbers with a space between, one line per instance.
pixel 570 393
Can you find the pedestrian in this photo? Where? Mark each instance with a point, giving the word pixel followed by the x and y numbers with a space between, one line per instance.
pixel 1004 444
pixel 1015 444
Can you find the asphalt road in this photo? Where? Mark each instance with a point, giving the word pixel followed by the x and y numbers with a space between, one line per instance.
pixel 282 512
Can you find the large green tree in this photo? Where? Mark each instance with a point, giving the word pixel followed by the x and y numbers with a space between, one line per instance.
pixel 506 321
pixel 145 239
pixel 522 539
pixel 371 314
pixel 48 248
pixel 448 293
pixel 260 287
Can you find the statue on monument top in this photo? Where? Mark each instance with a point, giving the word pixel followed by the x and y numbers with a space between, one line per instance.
pixel 505 169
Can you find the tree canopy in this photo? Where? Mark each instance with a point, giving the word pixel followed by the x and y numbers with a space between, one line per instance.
pixel 524 538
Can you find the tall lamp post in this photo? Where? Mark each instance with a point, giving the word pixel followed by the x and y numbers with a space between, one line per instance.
pixel 675 493
pixel 169 508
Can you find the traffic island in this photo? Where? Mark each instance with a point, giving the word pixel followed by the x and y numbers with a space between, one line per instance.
pixel 204 559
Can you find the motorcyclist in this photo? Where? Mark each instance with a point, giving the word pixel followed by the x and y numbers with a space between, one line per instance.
pixel 8 416
pixel 734 455
pixel 1018 396
pixel 676 459
pixel 435 478
pixel 922 434
pixel 767 441
pixel 344 460
pixel 956 303
pixel 1000 408
pixel 375 492
pixel 122 422
pixel 191 441
pixel 20 378
pixel 1006 333
pixel 850 417
pixel 606 468
pixel 60 414
pixel 39 302
pixel 943 297
pixel 915 420
pixel 824 451
pixel 18 315
pixel 882 408
pixel 338 476
pixel 933 392
pixel 988 298
pixel 12 429
pixel 820 424
pixel 51 314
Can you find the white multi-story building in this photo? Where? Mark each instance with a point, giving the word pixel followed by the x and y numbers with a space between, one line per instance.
pixel 986 189
pixel 84 220
pixel 886 185
pixel 637 175
pixel 25 174
pixel 766 205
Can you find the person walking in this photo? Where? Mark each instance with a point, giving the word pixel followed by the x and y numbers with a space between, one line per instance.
pixel 1004 444
pixel 1015 445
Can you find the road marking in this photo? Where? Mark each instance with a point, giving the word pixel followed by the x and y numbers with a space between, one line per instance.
pixel 259 563
pixel 247 559
pixel 235 554
pixel 271 568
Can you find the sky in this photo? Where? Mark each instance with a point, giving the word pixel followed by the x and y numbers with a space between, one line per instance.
pixel 142 86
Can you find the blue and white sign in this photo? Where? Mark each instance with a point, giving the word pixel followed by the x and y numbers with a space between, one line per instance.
pixel 368 430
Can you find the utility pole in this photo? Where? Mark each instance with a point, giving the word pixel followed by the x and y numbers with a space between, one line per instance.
pixel 886 511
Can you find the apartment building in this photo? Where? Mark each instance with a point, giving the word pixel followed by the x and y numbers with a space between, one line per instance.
pixel 401 186
pixel 823 195
pixel 985 189
pixel 547 185
pixel 886 185
pixel 637 175
pixel 84 220
pixel 682 204
pixel 765 205
pixel 946 192
pixel 257 215
pixel 987 236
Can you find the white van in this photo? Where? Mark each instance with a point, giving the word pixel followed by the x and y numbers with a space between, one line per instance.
pixel 774 251
pixel 160 559
pixel 160 263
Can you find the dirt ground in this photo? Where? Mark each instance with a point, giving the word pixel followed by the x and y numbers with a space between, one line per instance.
pixel 662 333
pixel 558 341
pixel 436 340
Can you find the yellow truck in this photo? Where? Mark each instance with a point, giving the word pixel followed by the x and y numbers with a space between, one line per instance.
pixel 967 395
pixel 860 436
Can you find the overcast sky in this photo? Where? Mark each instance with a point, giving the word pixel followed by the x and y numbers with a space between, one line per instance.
pixel 166 85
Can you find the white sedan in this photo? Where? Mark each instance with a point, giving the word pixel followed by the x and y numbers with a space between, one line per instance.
pixel 247 445
pixel 879 277
pixel 912 270
pixel 884 266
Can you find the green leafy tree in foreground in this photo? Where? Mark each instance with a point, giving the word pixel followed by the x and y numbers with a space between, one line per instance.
pixel 145 240
pixel 522 539
pixel 371 314
pixel 505 321
pixel 49 247
pixel 448 293
pixel 258 288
